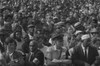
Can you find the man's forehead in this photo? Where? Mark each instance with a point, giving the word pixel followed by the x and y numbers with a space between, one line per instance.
pixel 33 43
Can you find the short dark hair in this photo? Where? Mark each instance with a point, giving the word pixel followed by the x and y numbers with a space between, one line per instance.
pixel 10 40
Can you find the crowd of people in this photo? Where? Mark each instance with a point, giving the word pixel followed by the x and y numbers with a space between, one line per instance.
pixel 49 32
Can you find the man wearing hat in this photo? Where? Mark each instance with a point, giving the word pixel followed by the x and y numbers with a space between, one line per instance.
pixel 85 54
pixel 56 53
pixel 30 31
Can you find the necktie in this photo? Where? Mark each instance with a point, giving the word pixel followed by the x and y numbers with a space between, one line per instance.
pixel 85 54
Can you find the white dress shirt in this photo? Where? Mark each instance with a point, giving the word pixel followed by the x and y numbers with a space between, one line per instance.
pixel 83 48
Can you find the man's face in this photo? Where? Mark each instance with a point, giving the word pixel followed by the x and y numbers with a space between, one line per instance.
pixel 59 44
pixel 18 34
pixel 94 35
pixel 31 29
pixel 32 46
pixel 70 30
pixel 86 42
pixel 78 37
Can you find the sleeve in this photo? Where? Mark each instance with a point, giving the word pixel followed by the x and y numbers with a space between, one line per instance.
pixel 97 58
pixel 97 54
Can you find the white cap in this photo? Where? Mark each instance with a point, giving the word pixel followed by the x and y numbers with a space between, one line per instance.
pixel 76 24
pixel 86 36
pixel 93 30
pixel 50 41
pixel 55 17
pixel 77 32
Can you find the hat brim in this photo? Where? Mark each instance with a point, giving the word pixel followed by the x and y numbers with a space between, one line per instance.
pixel 57 37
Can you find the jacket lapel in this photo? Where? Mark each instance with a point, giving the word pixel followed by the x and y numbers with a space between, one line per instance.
pixel 82 53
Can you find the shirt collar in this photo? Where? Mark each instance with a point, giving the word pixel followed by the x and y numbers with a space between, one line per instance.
pixel 83 47
pixel 11 54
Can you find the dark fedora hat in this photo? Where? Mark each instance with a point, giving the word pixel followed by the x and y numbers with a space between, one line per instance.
pixel 57 36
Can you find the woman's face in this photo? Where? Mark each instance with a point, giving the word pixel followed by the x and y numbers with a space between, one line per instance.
pixel 18 35
pixel 86 42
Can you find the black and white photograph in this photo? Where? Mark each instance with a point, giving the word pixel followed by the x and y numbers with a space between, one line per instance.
pixel 49 32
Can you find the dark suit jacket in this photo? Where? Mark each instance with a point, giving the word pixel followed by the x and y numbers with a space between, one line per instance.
pixel 37 54
pixel 78 57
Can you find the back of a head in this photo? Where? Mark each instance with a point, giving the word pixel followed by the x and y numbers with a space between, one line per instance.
pixel 10 40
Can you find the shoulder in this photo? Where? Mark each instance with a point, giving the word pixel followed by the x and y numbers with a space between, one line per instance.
pixel 39 52
pixel 77 48
pixel 44 48
pixel 50 49
pixel 39 55
pixel 93 48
